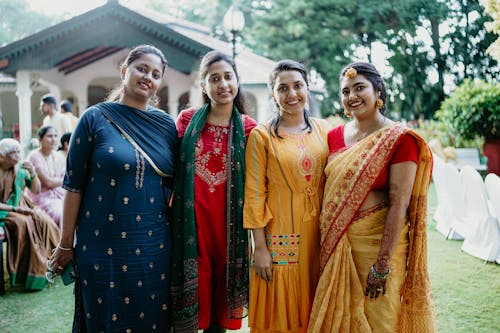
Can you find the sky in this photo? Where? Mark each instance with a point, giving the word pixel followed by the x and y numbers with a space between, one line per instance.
pixel 60 7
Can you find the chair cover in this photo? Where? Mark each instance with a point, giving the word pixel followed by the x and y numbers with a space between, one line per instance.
pixel 492 183
pixel 444 214
pixel 455 196
pixel 482 240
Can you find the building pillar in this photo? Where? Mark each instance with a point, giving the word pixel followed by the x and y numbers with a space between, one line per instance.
pixel 82 100
pixel 23 93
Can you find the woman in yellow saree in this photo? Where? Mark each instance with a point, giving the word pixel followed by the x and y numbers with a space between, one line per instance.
pixel 373 222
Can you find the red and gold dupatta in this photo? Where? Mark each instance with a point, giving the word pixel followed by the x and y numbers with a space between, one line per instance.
pixel 350 176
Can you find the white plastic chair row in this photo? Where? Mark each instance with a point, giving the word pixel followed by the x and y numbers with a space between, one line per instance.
pixel 464 211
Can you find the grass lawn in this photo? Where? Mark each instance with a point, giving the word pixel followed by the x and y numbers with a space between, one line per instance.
pixel 466 293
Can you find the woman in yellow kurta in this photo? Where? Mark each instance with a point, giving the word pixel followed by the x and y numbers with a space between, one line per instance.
pixel 283 191
pixel 373 220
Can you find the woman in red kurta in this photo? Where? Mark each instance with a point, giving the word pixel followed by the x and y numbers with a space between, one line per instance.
pixel 206 297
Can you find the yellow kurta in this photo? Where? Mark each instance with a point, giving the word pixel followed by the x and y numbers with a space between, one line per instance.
pixel 283 192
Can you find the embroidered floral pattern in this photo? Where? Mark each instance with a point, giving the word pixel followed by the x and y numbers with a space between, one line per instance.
pixel 211 161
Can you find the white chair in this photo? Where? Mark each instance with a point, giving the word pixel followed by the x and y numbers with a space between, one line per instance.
pixel 482 240
pixel 443 215
pixel 455 196
pixel 492 183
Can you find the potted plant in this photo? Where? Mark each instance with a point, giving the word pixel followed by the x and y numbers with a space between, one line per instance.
pixel 473 111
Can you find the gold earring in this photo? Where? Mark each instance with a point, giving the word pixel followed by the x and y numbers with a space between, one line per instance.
pixel 155 100
pixel 379 104
pixel 348 114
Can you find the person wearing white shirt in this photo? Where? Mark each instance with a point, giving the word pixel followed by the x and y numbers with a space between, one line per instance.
pixel 48 108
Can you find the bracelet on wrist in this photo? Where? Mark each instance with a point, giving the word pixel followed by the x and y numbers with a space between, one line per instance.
pixel 64 248
pixel 380 275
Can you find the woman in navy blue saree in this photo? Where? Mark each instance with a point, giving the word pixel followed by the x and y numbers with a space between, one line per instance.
pixel 120 164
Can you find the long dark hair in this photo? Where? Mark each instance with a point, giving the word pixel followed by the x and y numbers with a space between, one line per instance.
pixel 283 66
pixel 132 56
pixel 371 73
pixel 211 58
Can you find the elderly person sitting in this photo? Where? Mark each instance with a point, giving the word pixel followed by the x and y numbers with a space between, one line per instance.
pixel 30 233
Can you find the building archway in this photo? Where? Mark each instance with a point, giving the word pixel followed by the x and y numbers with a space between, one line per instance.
pixel 183 102
pixel 96 94
pixel 163 99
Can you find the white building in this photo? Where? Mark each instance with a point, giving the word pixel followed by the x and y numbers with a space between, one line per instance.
pixel 80 58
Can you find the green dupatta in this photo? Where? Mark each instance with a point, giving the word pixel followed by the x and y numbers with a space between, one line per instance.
pixel 184 285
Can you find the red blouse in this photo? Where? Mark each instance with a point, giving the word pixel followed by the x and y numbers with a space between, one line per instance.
pixel 406 150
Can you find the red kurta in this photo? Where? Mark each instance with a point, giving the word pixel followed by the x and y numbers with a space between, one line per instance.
pixel 210 208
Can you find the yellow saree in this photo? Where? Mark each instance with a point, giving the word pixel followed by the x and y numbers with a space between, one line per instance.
pixel 350 240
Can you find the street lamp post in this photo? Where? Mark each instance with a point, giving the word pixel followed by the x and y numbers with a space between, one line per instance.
pixel 234 22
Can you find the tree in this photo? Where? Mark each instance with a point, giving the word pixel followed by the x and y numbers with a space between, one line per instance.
pixel 492 7
pixel 469 41
pixel 209 13
pixel 19 21
pixel 328 34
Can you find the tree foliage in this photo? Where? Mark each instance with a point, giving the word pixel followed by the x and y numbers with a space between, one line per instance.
pixel 469 41
pixel 472 111
pixel 328 34
pixel 492 7
pixel 431 45
pixel 19 21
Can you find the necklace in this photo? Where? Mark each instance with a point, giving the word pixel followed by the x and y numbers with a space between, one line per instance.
pixel 357 135
pixel 50 161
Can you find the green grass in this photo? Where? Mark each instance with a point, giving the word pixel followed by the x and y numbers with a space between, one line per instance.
pixel 466 289
pixel 466 294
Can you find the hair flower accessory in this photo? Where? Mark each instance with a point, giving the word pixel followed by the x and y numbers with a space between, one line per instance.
pixel 351 73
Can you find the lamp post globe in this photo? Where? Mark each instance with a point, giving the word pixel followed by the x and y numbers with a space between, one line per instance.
pixel 234 22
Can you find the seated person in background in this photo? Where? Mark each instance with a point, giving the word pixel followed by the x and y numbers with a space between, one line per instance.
pixel 31 233
pixel 447 154
pixel 50 166
pixel 64 144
